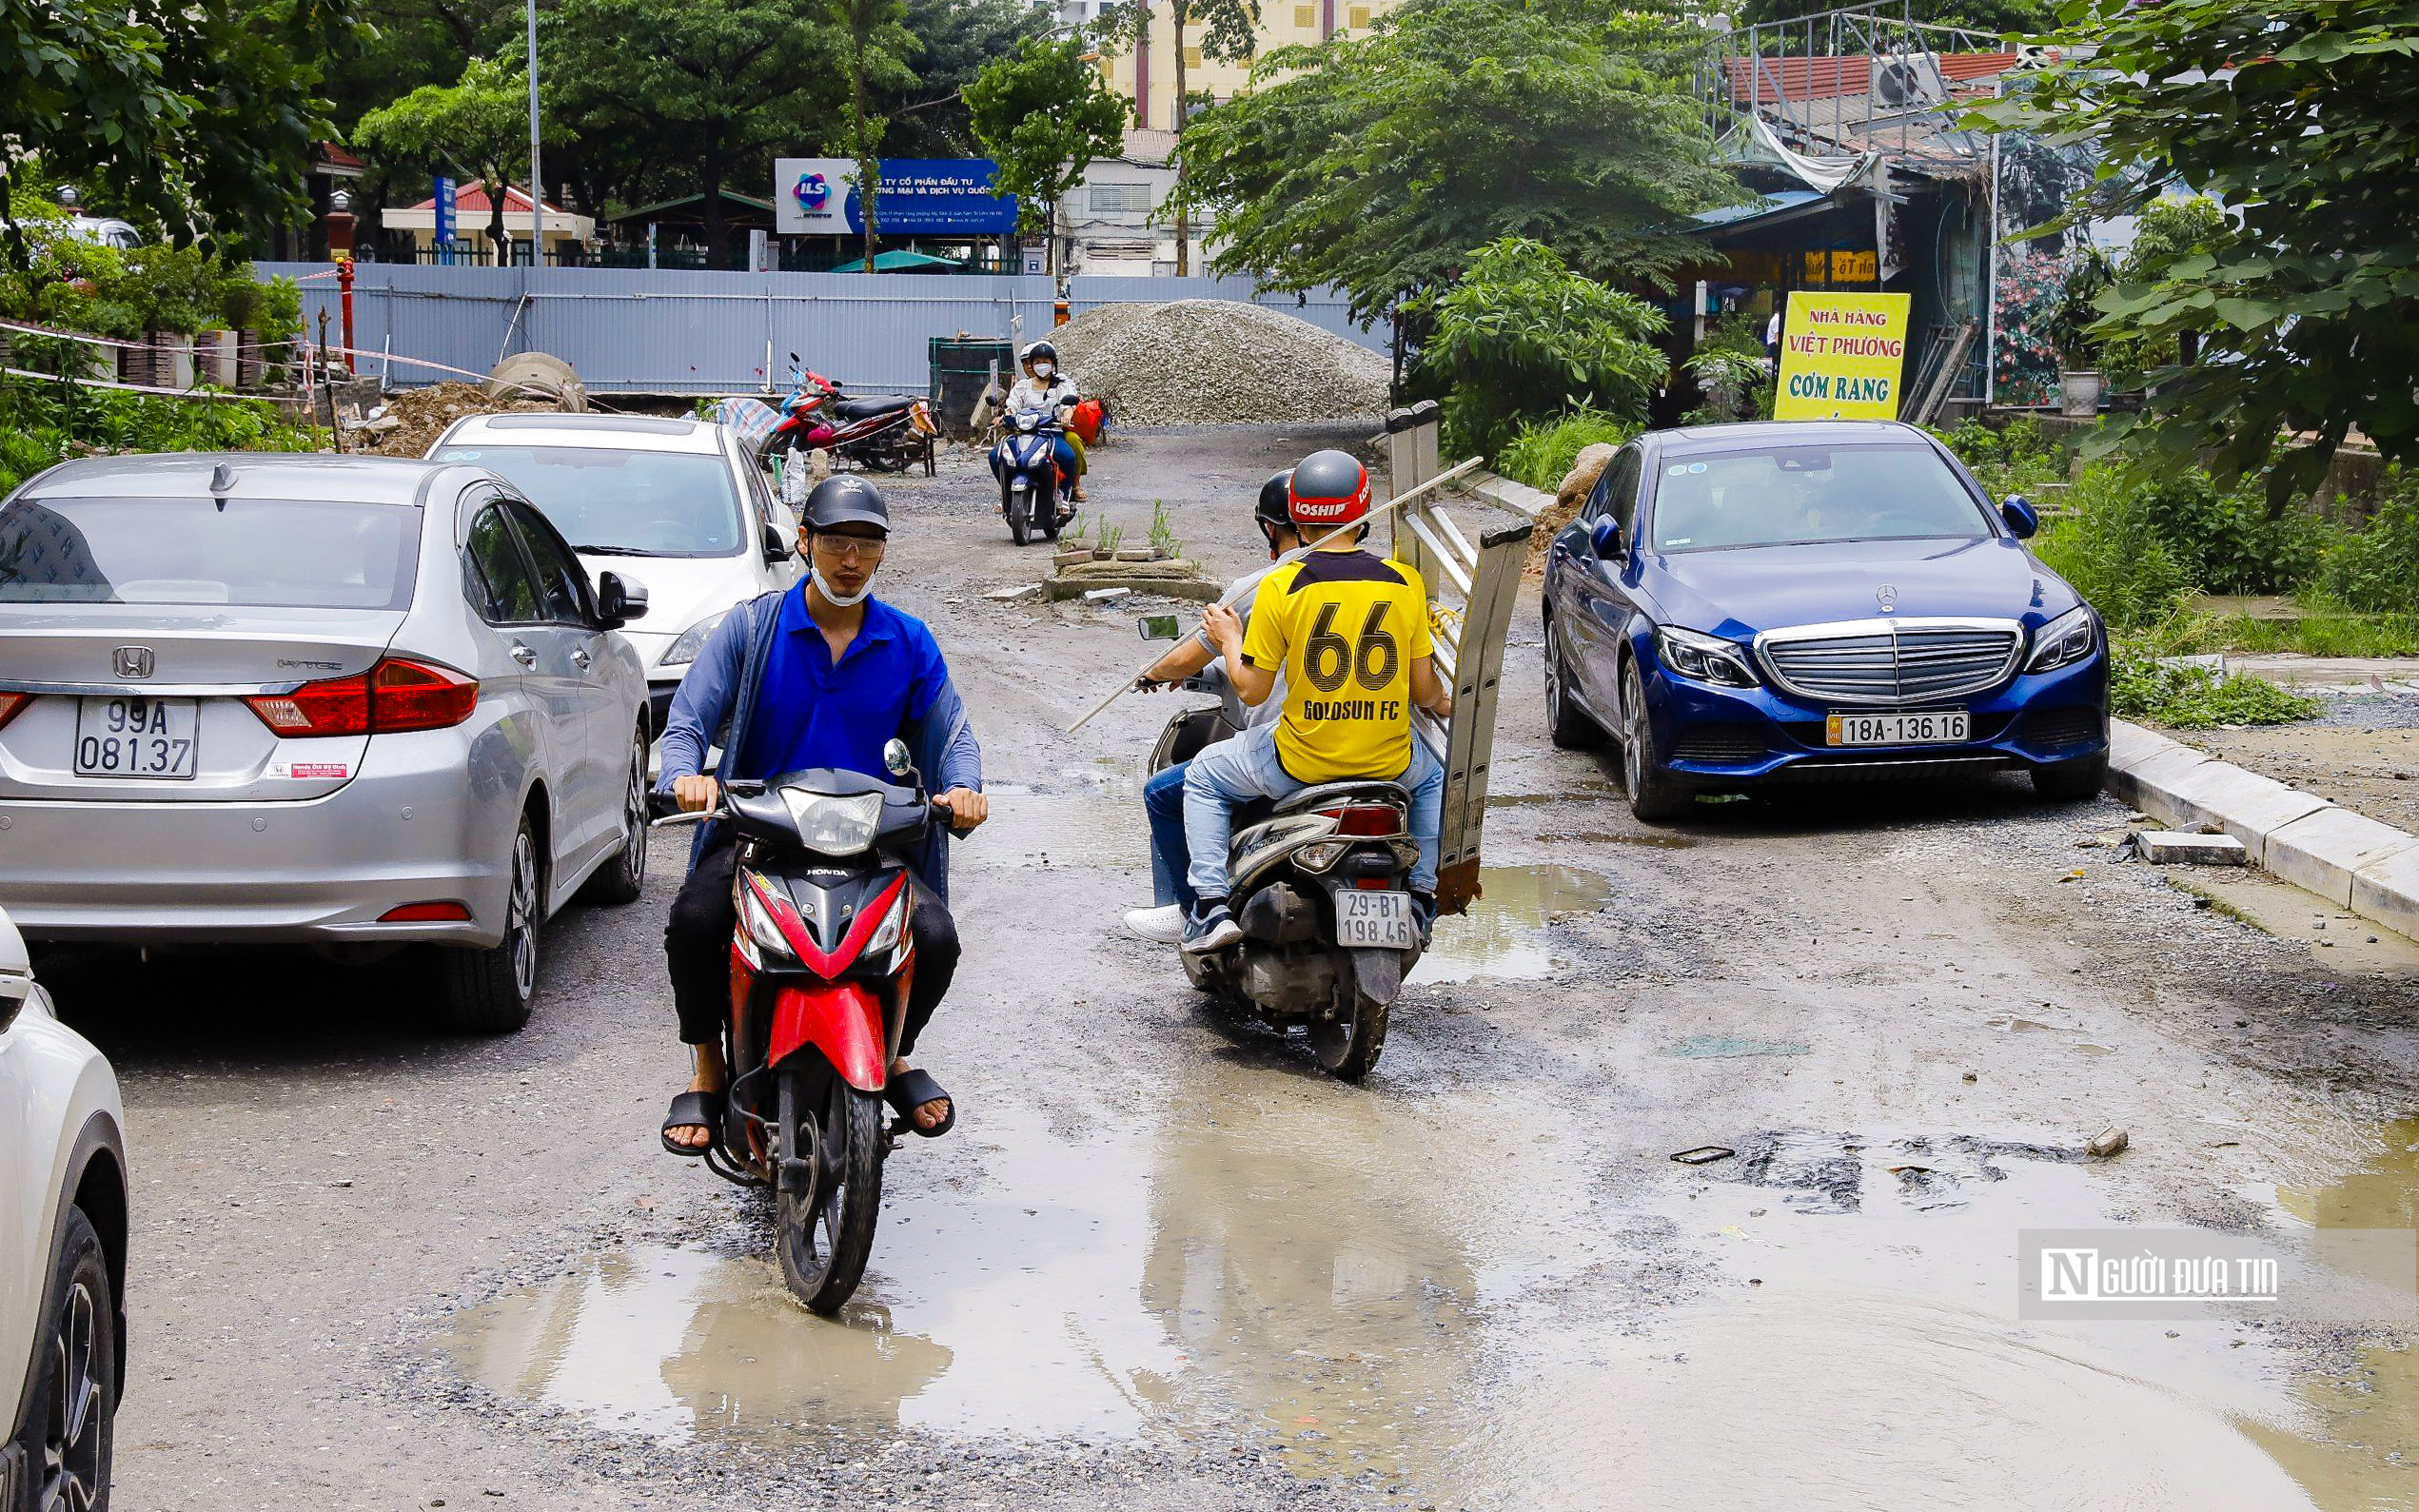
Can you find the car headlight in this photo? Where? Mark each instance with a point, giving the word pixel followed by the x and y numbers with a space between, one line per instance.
pixel 2065 640
pixel 834 826
pixel 1707 658
pixel 692 640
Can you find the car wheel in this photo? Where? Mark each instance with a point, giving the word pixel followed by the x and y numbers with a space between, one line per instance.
pixel 66 1442
pixel 489 992
pixel 2072 781
pixel 621 879
pixel 1653 796
pixel 1566 724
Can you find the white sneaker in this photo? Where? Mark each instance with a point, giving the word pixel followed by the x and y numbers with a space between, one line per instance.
pixel 1160 925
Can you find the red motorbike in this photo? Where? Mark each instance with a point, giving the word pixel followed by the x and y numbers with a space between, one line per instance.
pixel 887 434
pixel 821 961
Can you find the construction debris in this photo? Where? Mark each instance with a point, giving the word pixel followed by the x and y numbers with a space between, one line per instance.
pixel 2178 848
pixel 421 415
pixel 1213 361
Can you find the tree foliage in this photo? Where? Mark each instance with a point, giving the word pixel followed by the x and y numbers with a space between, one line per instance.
pixel 1378 162
pixel 928 113
pixel 1522 338
pixel 480 123
pixel 2302 120
pixel 1043 114
pixel 199 118
pixel 874 40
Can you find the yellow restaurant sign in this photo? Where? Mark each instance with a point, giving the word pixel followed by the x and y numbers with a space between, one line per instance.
pixel 1842 357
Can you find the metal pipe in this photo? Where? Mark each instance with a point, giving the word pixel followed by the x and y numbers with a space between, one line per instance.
pixel 536 172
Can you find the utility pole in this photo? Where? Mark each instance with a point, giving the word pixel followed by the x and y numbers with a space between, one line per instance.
pixel 536 174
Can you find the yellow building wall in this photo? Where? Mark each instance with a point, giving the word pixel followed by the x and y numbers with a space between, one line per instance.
pixel 1283 24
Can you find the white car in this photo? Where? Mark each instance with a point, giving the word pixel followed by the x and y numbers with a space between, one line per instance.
pixel 674 505
pixel 63 1206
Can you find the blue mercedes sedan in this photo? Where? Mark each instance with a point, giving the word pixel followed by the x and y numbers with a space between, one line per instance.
pixel 1743 605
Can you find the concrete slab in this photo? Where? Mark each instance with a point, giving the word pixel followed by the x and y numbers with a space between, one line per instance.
pixel 2244 804
pixel 2321 853
pixel 2388 891
pixel 2149 784
pixel 2179 848
pixel 2130 744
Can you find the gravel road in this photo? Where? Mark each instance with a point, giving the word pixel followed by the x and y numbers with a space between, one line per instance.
pixel 1163 1263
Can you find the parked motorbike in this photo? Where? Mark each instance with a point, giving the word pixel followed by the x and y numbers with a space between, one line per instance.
pixel 820 964
pixel 882 434
pixel 1317 881
pixel 1026 463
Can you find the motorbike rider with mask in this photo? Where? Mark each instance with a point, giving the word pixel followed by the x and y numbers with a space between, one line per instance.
pixel 1163 797
pixel 1052 392
pixel 1348 632
pixel 820 675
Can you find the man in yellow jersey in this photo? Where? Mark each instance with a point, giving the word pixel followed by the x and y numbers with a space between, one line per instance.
pixel 1349 630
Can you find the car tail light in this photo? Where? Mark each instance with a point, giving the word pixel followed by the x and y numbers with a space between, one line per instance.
pixel 13 704
pixel 1368 818
pixel 446 913
pixel 395 695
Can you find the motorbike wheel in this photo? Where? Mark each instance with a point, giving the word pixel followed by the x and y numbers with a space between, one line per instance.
pixel 827 1234
pixel 1349 1047
pixel 1019 521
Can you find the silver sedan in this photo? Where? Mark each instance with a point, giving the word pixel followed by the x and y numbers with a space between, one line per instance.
pixel 349 702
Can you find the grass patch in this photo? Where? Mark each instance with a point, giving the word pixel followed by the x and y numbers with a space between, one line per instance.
pixel 2187 697
pixel 1541 455
pixel 2321 633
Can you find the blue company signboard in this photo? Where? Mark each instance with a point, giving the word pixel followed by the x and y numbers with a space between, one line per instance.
pixel 920 197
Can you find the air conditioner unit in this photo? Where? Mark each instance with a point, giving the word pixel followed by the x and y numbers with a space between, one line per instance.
pixel 1909 82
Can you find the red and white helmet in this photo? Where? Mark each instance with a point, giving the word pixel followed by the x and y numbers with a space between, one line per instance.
pixel 1328 488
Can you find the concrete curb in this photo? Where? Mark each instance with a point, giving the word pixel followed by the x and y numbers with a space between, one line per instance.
pixel 1496 489
pixel 2351 860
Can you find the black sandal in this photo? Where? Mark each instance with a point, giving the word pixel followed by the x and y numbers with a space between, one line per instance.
pixel 909 1090
pixel 693 1111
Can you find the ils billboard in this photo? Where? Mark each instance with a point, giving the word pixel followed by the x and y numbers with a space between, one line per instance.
pixel 1842 357
pixel 918 197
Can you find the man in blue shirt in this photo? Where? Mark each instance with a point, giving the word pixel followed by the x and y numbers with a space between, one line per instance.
pixel 823 675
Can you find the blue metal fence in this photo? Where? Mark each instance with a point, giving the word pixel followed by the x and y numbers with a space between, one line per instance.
pixel 692 331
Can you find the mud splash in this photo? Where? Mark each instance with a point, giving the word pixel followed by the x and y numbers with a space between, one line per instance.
pixel 1502 935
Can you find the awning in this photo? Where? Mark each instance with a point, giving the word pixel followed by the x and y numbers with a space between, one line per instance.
pixel 902 260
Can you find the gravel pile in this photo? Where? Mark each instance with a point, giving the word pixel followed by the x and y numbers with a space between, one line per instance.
pixel 418 416
pixel 1210 360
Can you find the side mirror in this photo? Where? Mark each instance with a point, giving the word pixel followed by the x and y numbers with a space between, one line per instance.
pixel 2020 515
pixel 17 969
pixel 619 599
pixel 896 758
pixel 1606 538
pixel 1160 627
pixel 776 549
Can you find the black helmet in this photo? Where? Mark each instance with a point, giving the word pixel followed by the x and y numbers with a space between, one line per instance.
pixel 1276 501
pixel 1040 350
pixel 846 500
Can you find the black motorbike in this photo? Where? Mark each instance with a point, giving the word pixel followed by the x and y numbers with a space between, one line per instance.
pixel 1318 884
pixel 822 957
pixel 1026 463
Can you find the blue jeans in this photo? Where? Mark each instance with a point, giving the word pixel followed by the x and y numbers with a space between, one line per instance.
pixel 1236 771
pixel 1163 798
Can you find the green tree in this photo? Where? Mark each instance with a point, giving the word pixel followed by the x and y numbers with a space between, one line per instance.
pixel 1378 162
pixel 873 41
pixel 928 115
pixel 199 118
pixel 704 91
pixel 1522 338
pixel 2302 120
pixel 480 123
pixel 1043 113
pixel 1229 29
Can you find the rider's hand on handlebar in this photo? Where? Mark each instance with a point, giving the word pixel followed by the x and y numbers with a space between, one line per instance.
pixel 966 808
pixel 697 793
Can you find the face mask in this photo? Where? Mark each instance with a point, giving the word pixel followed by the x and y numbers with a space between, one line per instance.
pixel 1044 369
pixel 840 600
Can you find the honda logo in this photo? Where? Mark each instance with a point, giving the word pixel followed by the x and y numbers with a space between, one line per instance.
pixel 133 661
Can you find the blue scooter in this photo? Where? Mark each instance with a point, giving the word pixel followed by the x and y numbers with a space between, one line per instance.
pixel 1026 463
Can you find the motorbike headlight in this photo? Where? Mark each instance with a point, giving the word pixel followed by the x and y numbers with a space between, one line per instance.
pixel 685 647
pixel 759 929
pixel 893 924
pixel 2065 640
pixel 1704 659
pixel 834 826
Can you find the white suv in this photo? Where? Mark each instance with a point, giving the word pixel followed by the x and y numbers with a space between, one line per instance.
pixel 676 504
pixel 62 1204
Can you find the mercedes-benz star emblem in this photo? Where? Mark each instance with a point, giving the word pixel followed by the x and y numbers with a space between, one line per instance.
pixel 133 661
pixel 1888 596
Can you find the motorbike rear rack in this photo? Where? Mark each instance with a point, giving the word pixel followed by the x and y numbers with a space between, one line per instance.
pixel 1471 591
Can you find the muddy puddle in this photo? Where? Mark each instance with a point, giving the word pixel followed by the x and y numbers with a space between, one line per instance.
pixel 1504 934
pixel 1289 1264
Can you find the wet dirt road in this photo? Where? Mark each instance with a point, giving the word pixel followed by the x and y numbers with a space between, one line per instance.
pixel 1164 1264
